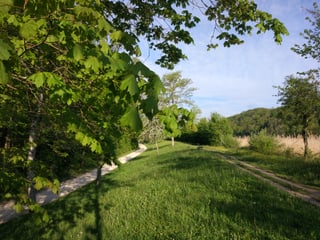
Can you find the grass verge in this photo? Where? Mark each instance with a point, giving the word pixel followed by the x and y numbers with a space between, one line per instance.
pixel 183 193
pixel 289 166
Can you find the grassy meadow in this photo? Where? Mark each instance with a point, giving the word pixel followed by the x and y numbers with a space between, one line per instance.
pixel 289 163
pixel 182 193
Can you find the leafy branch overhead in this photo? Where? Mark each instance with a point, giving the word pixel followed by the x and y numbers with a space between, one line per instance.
pixel 164 24
pixel 311 48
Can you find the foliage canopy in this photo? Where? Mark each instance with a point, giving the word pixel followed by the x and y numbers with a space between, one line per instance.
pixel 301 96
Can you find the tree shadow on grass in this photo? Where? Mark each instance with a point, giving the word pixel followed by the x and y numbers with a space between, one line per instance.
pixel 185 159
pixel 65 213
pixel 137 158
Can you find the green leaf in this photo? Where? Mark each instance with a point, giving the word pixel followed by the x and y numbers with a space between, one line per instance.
pixel 13 20
pixel 132 119
pixel 95 147
pixel 157 84
pixel 45 217
pixel 4 97
pixel 52 79
pixel 77 52
pixel 3 74
pixel 131 84
pixel 29 29
pixel 38 79
pixel 117 36
pixel 5 48
pixel 40 182
pixel 105 48
pixel 55 186
pixel 171 124
pixel 104 25
pixel 140 68
pixel 150 106
pixel 18 207
pixel 92 63
pixel 5 6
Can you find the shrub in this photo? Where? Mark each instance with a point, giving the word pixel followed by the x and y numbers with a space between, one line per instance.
pixel 229 141
pixel 264 143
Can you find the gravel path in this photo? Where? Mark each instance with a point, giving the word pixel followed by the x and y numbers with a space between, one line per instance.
pixel 43 197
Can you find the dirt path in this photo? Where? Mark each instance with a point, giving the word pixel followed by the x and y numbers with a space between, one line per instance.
pixel 304 192
pixel 43 197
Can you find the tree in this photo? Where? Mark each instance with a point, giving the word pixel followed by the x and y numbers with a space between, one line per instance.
pixel 153 131
pixel 64 65
pixel 311 49
pixel 300 95
pixel 215 131
pixel 219 128
pixel 173 102
pixel 178 91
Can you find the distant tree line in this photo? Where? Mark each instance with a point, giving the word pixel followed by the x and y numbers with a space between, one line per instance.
pixel 275 121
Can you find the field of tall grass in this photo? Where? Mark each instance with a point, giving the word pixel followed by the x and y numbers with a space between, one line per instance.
pixel 182 193
pixel 295 144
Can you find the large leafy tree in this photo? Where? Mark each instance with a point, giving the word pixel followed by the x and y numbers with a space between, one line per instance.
pixel 66 66
pixel 174 102
pixel 178 90
pixel 300 95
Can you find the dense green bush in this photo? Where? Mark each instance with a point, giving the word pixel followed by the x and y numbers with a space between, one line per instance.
pixel 215 131
pixel 229 141
pixel 264 143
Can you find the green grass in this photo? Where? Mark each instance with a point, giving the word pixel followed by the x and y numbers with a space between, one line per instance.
pixel 289 166
pixel 183 193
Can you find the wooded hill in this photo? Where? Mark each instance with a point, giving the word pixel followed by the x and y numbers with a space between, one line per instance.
pixel 276 121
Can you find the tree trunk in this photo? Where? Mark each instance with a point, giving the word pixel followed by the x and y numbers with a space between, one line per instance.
pixel 34 129
pixel 98 179
pixel 172 141
pixel 157 147
pixel 7 143
pixel 305 141
pixel 31 158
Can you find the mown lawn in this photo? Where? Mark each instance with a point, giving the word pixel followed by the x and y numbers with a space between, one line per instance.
pixel 183 193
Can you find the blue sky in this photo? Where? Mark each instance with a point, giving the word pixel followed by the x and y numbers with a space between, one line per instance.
pixel 239 78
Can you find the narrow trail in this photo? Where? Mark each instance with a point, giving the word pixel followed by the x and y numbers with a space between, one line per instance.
pixel 304 192
pixel 46 196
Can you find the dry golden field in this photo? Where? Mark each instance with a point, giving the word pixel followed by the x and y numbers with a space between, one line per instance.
pixel 295 144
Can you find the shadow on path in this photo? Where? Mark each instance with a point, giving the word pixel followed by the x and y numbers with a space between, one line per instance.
pixel 46 196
